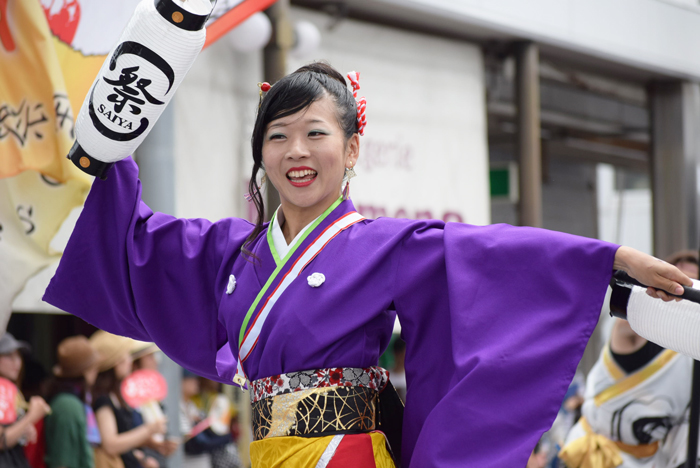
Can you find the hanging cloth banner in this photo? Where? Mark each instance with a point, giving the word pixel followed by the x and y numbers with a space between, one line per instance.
pixel 36 125
pixel 36 129
pixel 50 53
pixel 61 45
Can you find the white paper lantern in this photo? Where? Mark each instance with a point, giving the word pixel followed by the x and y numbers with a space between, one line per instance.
pixel 137 81
pixel 307 40
pixel 673 325
pixel 252 34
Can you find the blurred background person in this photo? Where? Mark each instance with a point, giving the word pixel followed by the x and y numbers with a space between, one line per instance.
pixel 538 457
pixel 569 413
pixel 190 415
pixel 146 356
pixel 115 420
pixel 35 381
pixel 71 419
pixel 214 404
pixel 23 430
pixel 637 397
pixel 200 440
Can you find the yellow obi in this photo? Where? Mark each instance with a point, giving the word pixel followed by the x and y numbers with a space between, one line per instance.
pixel 323 418
pixel 597 451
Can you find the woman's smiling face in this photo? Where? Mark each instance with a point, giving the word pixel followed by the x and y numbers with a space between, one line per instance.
pixel 305 156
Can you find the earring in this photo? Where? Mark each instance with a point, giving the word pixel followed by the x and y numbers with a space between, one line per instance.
pixel 349 174
pixel 263 181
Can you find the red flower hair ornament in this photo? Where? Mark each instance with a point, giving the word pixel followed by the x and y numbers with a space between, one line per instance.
pixel 354 78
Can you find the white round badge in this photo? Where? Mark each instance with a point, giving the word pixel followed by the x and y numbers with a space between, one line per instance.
pixel 316 279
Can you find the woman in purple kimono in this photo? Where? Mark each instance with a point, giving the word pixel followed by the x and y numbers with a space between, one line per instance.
pixel 495 318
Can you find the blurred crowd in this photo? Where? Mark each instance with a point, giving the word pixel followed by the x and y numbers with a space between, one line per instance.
pixel 101 407
pixel 82 413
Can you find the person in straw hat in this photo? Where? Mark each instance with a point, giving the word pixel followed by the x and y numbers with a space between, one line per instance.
pixel 145 355
pixel 114 417
pixel 69 426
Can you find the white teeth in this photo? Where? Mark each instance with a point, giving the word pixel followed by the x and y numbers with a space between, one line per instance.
pixel 300 174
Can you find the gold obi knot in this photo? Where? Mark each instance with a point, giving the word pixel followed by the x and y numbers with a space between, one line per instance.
pixel 597 451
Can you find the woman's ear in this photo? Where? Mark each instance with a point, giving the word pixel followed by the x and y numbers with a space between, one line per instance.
pixel 352 150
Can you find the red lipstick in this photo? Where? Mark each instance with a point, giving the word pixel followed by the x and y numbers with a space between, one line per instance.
pixel 301 176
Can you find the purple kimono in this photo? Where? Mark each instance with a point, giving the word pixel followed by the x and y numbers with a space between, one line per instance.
pixel 495 318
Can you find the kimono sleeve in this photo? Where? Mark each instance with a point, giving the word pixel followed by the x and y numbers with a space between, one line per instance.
pixel 146 275
pixel 495 320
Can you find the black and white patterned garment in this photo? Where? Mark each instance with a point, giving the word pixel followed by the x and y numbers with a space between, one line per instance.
pixel 643 413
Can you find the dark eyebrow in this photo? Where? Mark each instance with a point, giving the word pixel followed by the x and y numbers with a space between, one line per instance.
pixel 280 124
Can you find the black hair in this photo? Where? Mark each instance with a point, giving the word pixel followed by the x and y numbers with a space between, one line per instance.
pixel 107 382
pixel 34 379
pixel 74 385
pixel 293 93
pixel 688 256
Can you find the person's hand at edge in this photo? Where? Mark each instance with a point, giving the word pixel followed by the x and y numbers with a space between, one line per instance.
pixel 661 277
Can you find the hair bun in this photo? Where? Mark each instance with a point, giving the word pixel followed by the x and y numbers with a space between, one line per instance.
pixel 323 68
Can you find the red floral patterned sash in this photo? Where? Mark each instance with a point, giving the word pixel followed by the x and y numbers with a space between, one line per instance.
pixel 374 378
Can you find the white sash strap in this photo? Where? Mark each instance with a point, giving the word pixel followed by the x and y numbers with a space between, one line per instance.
pixel 327 455
pixel 302 261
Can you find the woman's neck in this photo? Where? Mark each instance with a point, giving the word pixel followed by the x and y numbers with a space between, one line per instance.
pixel 292 219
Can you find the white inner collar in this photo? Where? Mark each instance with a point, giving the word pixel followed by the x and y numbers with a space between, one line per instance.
pixel 278 239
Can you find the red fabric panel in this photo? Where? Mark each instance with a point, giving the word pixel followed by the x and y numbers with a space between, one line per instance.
pixel 35 452
pixel 233 18
pixel 355 450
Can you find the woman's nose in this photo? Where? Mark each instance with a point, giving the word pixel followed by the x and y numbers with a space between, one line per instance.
pixel 297 149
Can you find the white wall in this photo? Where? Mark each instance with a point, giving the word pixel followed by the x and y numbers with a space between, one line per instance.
pixel 624 217
pixel 658 35
pixel 686 3
pixel 214 114
pixel 424 153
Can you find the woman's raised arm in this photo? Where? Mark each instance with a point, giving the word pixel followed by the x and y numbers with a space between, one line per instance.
pixel 147 275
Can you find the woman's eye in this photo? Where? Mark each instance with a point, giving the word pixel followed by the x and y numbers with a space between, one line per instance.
pixel 316 133
pixel 275 136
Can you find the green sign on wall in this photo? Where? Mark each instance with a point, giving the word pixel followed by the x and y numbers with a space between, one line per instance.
pixel 500 182
pixel 504 182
